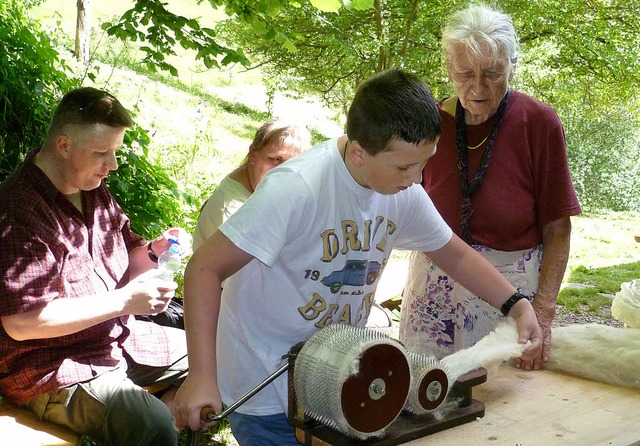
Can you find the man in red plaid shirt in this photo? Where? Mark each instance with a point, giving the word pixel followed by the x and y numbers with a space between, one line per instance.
pixel 73 276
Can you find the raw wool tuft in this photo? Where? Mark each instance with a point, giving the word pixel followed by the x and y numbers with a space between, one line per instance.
pixel 451 405
pixel 498 346
pixel 598 352
pixel 626 304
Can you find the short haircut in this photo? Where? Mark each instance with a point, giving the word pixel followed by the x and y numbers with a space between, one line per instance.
pixel 478 25
pixel 392 104
pixel 88 106
pixel 281 134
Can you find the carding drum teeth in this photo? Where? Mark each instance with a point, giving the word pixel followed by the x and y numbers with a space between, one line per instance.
pixel 429 384
pixel 352 379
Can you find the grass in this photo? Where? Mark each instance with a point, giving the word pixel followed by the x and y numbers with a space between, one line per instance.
pixel 603 255
pixel 605 279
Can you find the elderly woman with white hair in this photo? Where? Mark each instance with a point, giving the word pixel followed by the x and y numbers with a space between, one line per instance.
pixel 500 178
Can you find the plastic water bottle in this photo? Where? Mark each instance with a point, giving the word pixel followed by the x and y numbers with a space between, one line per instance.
pixel 169 262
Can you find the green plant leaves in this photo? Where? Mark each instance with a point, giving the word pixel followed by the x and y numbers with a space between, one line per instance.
pixel 327 5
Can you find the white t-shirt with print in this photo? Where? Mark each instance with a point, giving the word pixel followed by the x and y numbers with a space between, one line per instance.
pixel 320 241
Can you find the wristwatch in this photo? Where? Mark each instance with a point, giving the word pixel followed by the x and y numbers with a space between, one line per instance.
pixel 152 255
pixel 508 305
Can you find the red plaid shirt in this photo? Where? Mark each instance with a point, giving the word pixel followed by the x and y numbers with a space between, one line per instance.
pixel 50 251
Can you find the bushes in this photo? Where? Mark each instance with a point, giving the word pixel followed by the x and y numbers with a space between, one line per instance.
pixel 604 160
pixel 151 199
pixel 31 81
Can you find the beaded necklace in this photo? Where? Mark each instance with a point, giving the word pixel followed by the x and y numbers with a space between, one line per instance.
pixel 469 187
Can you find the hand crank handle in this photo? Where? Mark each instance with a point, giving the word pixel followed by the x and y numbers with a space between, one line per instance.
pixel 208 415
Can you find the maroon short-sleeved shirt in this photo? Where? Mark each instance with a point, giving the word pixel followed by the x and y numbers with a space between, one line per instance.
pixel 526 185
pixel 49 250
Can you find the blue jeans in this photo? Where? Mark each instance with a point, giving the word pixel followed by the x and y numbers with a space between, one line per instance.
pixel 268 430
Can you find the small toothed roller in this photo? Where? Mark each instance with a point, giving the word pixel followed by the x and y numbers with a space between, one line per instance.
pixel 429 384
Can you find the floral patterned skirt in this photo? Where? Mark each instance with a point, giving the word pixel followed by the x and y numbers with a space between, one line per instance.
pixel 440 316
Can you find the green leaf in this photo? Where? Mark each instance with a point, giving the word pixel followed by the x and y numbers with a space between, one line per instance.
pixel 273 7
pixel 259 27
pixel 327 5
pixel 289 46
pixel 358 5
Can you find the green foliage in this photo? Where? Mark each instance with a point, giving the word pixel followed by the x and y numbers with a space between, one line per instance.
pixel 335 52
pixel 603 154
pixel 578 72
pixel 579 57
pixel 31 79
pixel 151 198
pixel 87 441
pixel 583 61
pixel 150 22
pixel 34 76
pixel 218 435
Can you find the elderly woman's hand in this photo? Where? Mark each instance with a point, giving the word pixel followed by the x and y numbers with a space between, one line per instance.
pixel 545 311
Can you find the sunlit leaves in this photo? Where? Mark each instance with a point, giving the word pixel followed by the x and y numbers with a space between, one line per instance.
pixel 359 5
pixel 149 21
pixel 327 5
pixel 32 76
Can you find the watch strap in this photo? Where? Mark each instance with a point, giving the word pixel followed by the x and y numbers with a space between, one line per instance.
pixel 152 255
pixel 517 296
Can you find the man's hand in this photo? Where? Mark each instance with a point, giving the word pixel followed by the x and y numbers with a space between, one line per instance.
pixel 148 294
pixel 171 236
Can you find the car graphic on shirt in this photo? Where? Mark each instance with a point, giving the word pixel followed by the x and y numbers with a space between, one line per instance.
pixel 355 273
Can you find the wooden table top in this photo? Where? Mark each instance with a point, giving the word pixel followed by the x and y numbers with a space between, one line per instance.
pixel 546 408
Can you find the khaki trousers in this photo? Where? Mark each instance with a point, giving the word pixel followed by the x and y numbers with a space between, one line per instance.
pixel 114 409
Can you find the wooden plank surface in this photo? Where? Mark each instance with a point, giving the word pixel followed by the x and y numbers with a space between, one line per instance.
pixel 19 427
pixel 546 408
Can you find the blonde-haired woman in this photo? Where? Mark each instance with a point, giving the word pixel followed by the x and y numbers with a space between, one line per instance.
pixel 274 143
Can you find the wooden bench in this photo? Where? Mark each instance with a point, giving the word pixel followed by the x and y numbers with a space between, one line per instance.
pixel 21 427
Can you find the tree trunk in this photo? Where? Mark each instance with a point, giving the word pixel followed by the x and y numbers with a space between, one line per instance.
pixel 83 31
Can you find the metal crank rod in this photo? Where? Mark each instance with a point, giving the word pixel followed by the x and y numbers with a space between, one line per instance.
pixel 208 414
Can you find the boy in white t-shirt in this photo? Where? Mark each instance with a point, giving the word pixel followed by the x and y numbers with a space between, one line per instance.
pixel 307 250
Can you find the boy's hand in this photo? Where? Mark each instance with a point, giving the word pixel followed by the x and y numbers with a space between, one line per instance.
pixel 191 398
pixel 528 330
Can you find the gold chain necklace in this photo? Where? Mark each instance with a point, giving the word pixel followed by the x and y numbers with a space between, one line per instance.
pixel 481 142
